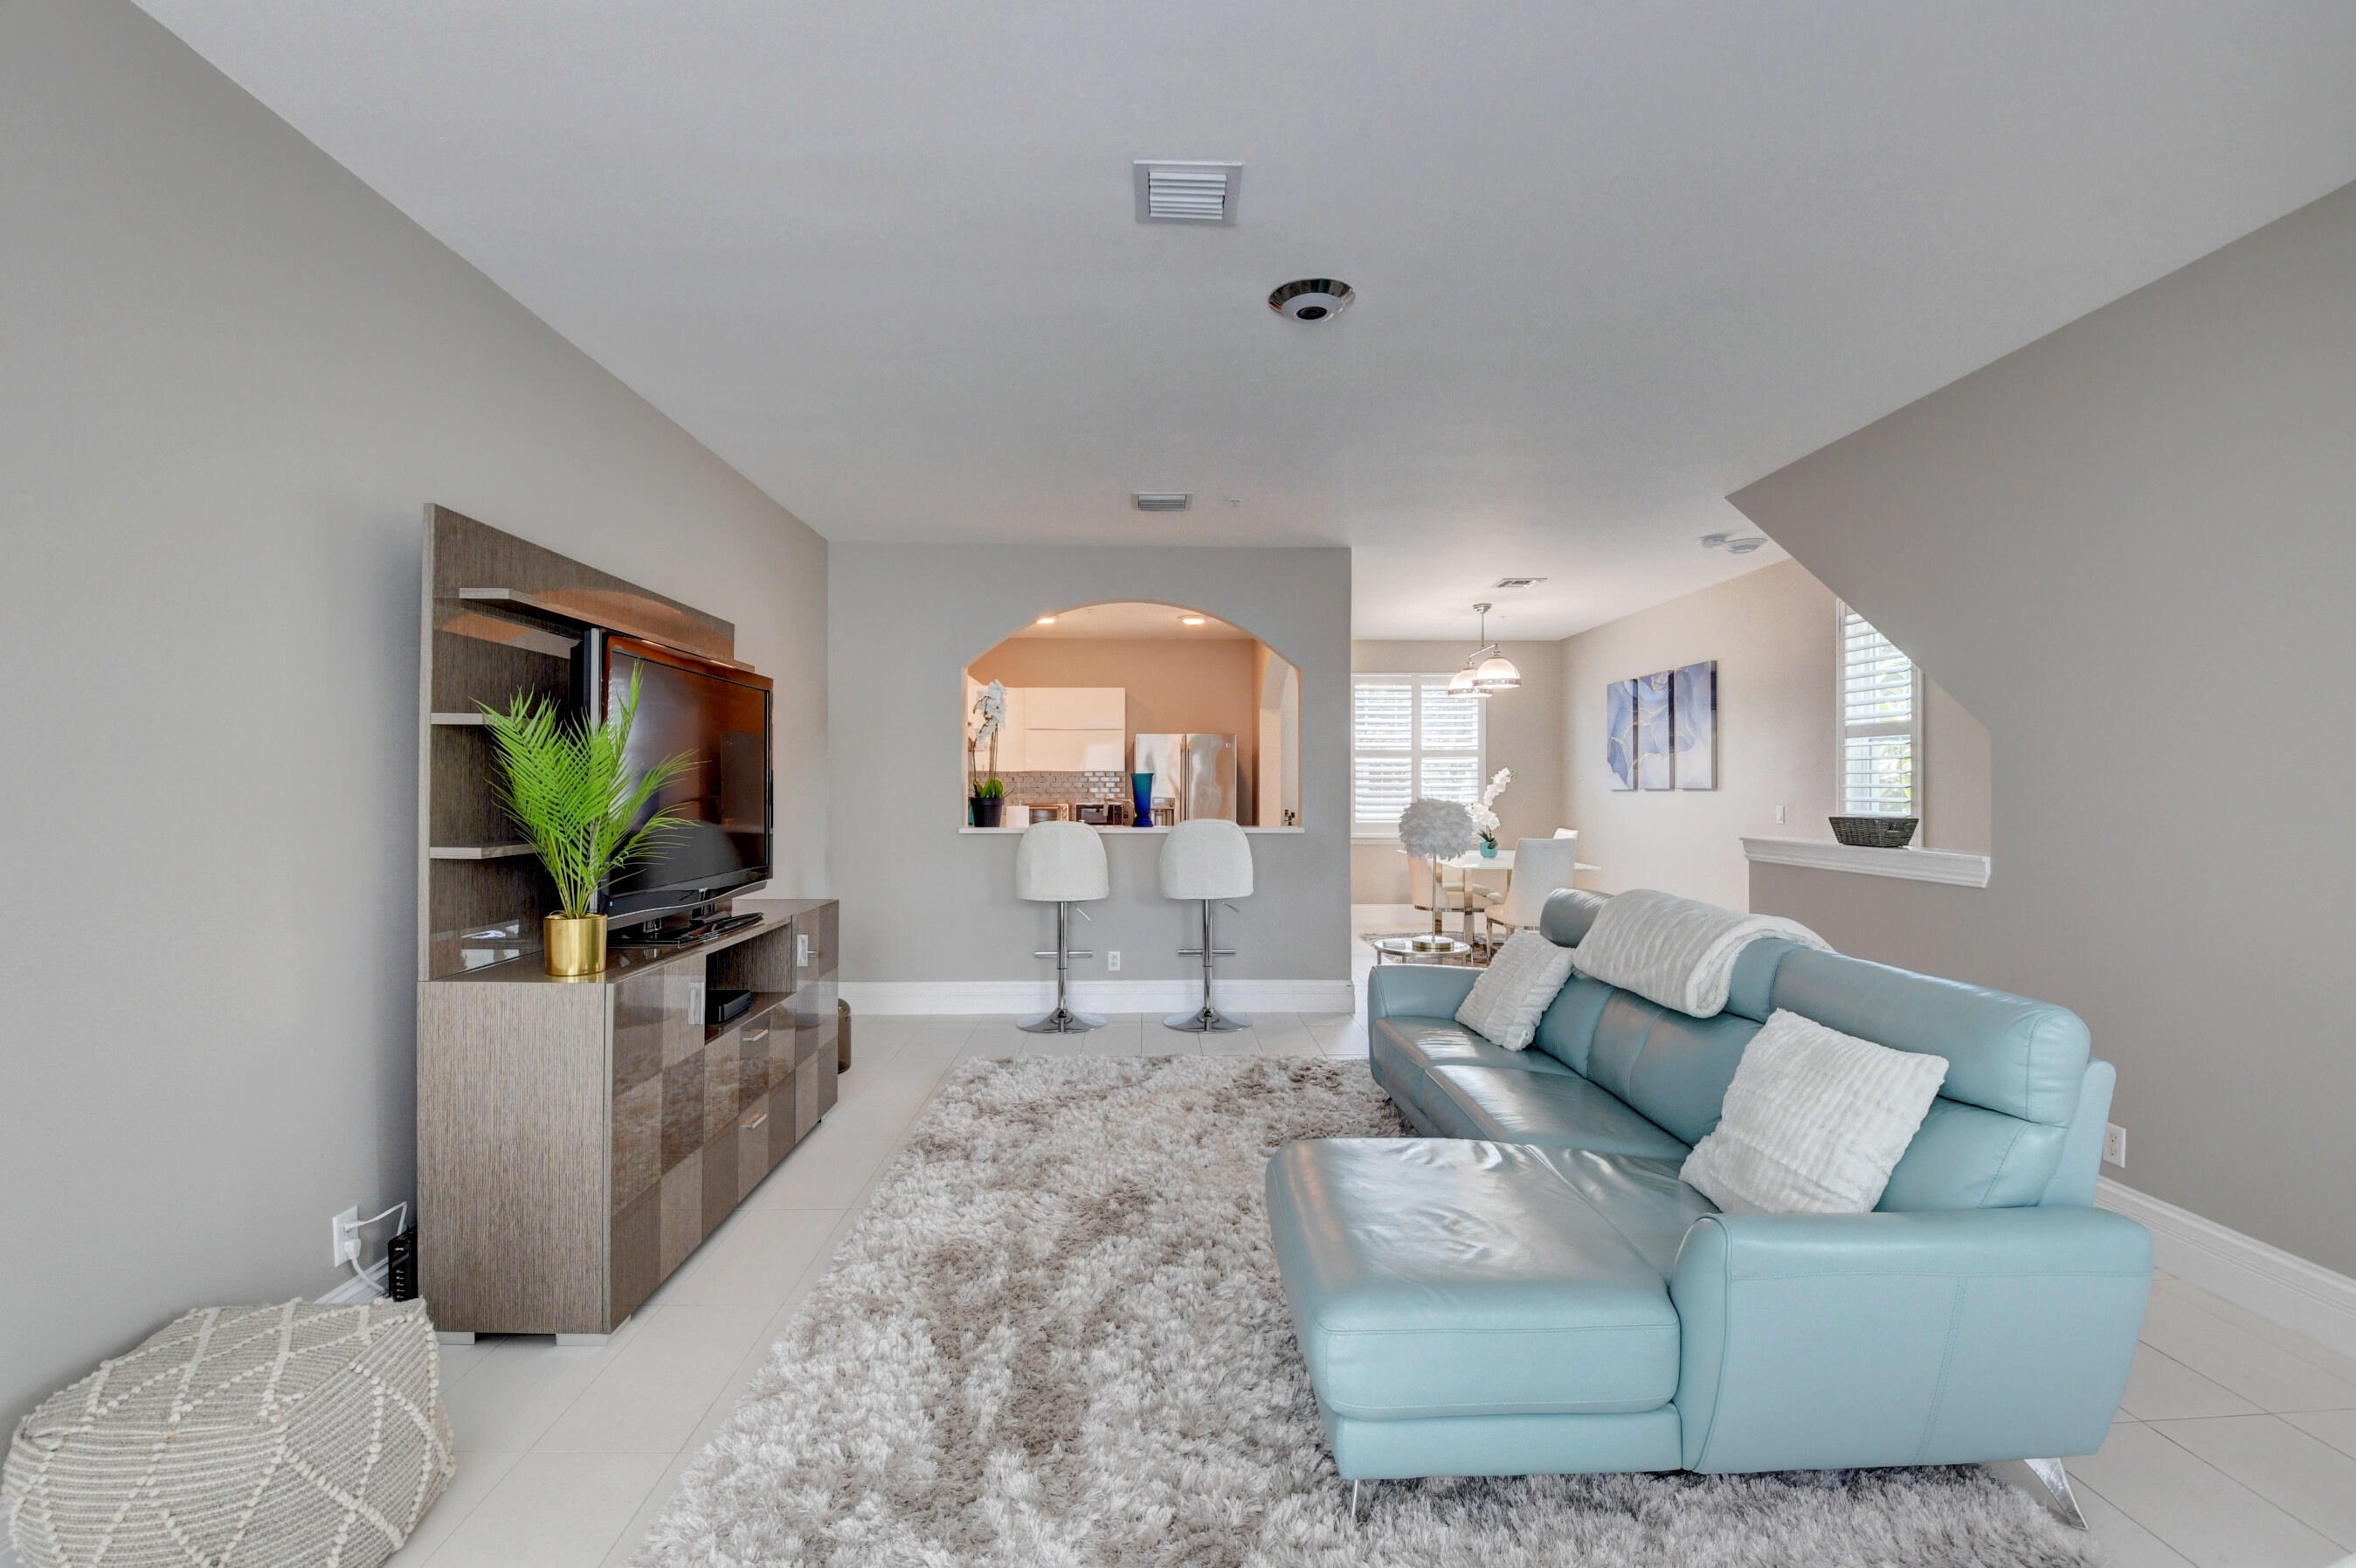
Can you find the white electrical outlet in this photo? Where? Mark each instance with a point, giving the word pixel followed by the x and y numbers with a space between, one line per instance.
pixel 1112 957
pixel 2115 1145
pixel 1783 813
pixel 345 1233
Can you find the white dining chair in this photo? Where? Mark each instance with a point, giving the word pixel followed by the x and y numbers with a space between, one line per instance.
pixel 1540 867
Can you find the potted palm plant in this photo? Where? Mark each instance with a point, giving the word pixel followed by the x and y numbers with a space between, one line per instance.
pixel 568 787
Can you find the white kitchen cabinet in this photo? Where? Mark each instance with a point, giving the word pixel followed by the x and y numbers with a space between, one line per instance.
pixel 1074 707
pixel 1065 729
pixel 1072 751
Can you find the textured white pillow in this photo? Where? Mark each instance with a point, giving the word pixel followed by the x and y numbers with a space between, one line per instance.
pixel 1815 1121
pixel 1514 993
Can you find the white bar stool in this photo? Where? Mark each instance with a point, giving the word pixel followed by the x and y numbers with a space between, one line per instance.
pixel 1209 860
pixel 1060 863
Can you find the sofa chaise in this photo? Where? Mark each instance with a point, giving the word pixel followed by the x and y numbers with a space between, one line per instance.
pixel 1529 1288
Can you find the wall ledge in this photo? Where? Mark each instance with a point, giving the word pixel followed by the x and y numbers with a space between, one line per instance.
pixel 1950 867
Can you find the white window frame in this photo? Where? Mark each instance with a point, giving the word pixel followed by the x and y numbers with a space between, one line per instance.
pixel 1916 725
pixel 1414 753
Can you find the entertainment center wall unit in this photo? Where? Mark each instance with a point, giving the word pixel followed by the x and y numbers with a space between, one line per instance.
pixel 577 1139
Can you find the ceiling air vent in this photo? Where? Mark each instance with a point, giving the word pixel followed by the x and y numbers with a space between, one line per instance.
pixel 1162 500
pixel 1170 192
pixel 1516 582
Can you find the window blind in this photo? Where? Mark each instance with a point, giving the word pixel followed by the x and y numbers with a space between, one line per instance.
pixel 1879 704
pixel 1409 737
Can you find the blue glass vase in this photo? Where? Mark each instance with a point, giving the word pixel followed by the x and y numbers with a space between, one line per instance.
pixel 1140 791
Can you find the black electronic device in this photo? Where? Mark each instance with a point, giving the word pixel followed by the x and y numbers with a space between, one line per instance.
pixel 663 934
pixel 401 1266
pixel 723 1003
pixel 716 713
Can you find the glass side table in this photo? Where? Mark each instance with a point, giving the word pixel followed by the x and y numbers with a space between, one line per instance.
pixel 1421 950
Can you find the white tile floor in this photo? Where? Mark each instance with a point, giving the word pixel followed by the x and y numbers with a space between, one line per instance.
pixel 2236 1448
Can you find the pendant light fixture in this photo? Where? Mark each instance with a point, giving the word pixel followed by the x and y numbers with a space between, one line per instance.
pixel 1489 669
pixel 1486 670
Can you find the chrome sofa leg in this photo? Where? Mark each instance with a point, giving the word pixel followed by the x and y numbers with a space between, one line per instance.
pixel 2056 1482
pixel 1356 1489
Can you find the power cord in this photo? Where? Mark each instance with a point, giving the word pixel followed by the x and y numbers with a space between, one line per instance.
pixel 352 1239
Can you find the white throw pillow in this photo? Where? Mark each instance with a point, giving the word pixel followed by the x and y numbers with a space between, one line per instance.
pixel 1815 1121
pixel 1514 993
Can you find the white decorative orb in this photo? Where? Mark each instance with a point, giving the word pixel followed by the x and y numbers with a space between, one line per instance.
pixel 1436 830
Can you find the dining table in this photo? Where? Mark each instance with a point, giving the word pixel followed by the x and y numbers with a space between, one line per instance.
pixel 1474 861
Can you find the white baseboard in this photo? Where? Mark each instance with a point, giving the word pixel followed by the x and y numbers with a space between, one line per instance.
pixel 2279 1286
pixel 956 996
pixel 357 1288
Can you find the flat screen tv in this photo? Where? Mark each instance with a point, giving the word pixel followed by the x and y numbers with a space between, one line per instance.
pixel 720 715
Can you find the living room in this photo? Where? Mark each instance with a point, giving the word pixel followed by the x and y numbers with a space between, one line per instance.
pixel 1994 363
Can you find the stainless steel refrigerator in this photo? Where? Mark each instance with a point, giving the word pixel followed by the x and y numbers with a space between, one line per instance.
pixel 1194 773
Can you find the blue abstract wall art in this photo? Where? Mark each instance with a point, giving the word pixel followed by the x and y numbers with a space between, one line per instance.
pixel 1620 734
pixel 1652 767
pixel 1693 725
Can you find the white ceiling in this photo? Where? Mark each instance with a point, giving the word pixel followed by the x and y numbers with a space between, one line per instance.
pixel 1130 621
pixel 1613 260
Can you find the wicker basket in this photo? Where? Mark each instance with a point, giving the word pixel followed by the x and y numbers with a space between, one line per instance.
pixel 1875 832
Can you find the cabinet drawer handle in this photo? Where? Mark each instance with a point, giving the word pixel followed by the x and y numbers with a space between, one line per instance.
pixel 756 1120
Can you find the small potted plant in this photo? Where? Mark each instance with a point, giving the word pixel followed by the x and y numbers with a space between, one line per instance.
pixel 567 785
pixel 1485 818
pixel 985 790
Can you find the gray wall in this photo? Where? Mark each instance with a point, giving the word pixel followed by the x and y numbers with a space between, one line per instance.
pixel 232 377
pixel 1772 633
pixel 1524 735
pixel 923 902
pixel 2126 548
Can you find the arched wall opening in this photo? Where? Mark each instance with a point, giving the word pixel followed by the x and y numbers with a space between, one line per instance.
pixel 1097 693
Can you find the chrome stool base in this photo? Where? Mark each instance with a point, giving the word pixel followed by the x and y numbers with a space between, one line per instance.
pixel 1207 1020
pixel 1062 1020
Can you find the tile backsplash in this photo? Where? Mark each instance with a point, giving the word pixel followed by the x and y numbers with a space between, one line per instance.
pixel 1047 788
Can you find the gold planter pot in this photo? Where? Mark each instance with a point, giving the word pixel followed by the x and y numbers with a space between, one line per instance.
pixel 576 946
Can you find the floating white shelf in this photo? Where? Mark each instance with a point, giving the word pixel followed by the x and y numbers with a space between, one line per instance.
pixel 1950 867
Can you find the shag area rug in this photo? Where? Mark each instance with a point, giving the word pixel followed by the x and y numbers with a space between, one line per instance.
pixel 1058 1337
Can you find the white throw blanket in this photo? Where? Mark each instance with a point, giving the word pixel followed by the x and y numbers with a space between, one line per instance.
pixel 1677 951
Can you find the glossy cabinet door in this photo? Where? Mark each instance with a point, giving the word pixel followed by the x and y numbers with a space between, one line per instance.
pixel 661 1070
pixel 577 1141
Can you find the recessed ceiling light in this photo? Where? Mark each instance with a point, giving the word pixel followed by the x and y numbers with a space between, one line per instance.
pixel 1311 299
pixel 1732 545
pixel 1046 621
pixel 1162 500
pixel 1190 620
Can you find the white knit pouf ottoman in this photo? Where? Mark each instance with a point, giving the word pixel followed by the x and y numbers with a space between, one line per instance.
pixel 238 1437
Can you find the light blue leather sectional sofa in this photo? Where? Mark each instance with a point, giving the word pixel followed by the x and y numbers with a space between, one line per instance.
pixel 1529 1289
